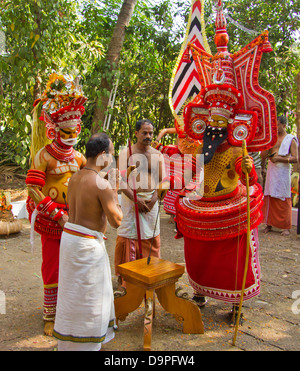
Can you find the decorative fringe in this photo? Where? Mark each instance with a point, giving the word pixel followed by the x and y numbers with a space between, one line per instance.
pixel 38 134
pixel 33 218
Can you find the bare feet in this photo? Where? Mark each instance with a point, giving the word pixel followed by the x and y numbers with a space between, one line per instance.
pixel 286 232
pixel 234 316
pixel 268 229
pixel 48 328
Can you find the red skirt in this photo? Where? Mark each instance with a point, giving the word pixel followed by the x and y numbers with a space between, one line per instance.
pixel 215 239
pixel 216 268
pixel 219 218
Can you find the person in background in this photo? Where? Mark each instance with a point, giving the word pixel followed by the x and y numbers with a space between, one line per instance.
pixel 277 208
pixel 150 167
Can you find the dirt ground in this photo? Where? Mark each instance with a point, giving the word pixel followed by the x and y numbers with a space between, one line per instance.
pixel 272 320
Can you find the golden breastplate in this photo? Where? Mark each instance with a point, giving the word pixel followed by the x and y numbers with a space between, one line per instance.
pixel 220 177
pixel 57 180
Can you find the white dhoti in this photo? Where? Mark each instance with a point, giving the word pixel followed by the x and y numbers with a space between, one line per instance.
pixel 85 305
pixel 278 179
pixel 149 222
pixel 277 208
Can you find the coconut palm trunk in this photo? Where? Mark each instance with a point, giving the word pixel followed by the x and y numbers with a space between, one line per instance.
pixel 112 59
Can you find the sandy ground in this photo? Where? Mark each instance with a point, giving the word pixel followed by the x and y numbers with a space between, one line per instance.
pixel 272 320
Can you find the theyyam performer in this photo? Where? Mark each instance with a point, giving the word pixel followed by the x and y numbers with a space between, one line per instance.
pixel 57 122
pixel 230 109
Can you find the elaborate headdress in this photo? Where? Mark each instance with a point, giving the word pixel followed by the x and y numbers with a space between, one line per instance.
pixel 62 103
pixel 230 89
pixel 60 106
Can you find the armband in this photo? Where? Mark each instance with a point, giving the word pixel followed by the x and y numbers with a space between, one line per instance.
pixel 59 215
pixel 46 206
pixel 36 178
pixel 170 150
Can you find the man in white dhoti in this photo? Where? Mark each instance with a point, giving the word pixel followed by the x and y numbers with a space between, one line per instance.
pixel 85 306
pixel 277 207
pixel 146 179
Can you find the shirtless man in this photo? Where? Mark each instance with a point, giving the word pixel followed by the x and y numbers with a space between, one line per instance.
pixel 85 305
pixel 84 187
pixel 146 179
pixel 277 203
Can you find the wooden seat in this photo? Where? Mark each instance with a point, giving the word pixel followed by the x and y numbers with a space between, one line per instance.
pixel 159 276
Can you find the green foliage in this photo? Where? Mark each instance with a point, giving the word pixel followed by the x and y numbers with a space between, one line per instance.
pixel 73 37
pixel 41 36
pixel 147 62
pixel 280 67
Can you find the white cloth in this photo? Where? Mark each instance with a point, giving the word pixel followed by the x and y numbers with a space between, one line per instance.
pixel 285 146
pixel 278 179
pixel 147 220
pixel 33 218
pixel 85 305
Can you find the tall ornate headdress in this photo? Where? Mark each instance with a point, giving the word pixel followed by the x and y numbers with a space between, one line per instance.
pixel 230 89
pixel 62 104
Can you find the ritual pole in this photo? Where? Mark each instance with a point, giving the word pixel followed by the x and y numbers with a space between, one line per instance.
pixel 245 153
pixel 137 217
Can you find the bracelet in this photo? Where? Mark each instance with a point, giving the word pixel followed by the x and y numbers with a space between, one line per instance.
pixel 35 178
pixel 46 206
pixel 60 213
pixel 288 160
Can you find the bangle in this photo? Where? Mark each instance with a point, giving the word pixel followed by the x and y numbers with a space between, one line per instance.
pixel 35 178
pixel 60 213
pixel 288 160
pixel 46 206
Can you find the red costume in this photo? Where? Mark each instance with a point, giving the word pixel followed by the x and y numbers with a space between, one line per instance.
pixel 229 109
pixel 52 166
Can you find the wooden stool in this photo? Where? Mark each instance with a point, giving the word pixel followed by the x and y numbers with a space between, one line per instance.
pixel 160 276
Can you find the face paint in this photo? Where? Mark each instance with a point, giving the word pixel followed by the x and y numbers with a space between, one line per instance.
pixel 69 142
pixel 68 136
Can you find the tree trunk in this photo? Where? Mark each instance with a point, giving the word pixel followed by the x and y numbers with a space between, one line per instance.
pixel 112 57
pixel 298 115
